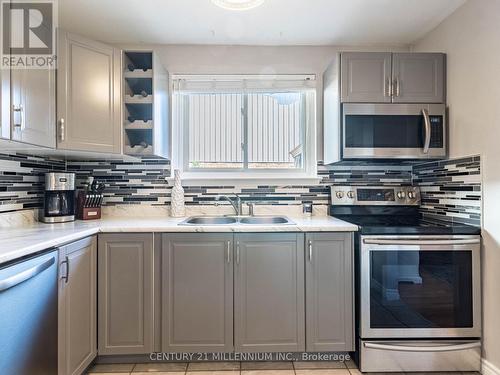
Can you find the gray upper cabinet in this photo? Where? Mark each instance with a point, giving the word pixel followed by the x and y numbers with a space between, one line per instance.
pixel 329 292
pixel 269 292
pixel 418 77
pixel 33 106
pixel 5 104
pixel 28 107
pixel 77 306
pixel 197 292
pixel 375 77
pixel 126 293
pixel 365 77
pixel 88 95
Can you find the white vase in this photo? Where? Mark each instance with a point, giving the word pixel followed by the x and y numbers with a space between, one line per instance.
pixel 177 208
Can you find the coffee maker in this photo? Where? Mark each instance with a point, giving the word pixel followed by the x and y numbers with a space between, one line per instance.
pixel 59 198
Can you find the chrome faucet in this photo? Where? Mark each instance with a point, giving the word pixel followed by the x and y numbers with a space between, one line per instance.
pixel 251 208
pixel 235 202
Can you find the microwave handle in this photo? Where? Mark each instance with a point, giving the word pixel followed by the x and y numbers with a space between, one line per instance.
pixel 427 127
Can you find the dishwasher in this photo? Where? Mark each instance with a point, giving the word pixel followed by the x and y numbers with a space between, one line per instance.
pixel 28 315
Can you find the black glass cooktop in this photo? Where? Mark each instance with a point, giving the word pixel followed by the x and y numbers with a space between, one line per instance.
pixel 398 221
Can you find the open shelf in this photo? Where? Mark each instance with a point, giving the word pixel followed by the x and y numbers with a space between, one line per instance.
pixel 138 150
pixel 138 85
pixel 138 73
pixel 138 99
pixel 138 60
pixel 138 124
pixel 145 114
pixel 138 111
pixel 139 141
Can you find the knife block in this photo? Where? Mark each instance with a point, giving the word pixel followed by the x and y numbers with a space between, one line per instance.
pixel 85 208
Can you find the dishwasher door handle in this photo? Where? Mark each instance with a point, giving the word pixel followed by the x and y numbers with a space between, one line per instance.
pixel 14 280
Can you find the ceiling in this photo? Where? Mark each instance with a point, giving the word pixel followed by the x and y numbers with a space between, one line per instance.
pixel 276 22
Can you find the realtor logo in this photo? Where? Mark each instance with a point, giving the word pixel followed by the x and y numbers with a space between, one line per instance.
pixel 28 34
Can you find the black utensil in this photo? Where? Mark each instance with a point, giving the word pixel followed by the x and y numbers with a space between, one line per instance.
pixel 94 185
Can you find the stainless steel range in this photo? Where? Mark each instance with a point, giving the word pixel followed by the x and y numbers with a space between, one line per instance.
pixel 418 283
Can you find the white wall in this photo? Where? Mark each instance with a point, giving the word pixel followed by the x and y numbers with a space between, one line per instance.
pixel 219 59
pixel 471 39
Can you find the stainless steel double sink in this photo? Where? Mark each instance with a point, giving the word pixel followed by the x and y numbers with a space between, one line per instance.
pixel 231 220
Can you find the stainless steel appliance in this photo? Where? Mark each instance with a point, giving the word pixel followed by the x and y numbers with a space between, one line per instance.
pixel 417 280
pixel 59 198
pixel 28 307
pixel 381 131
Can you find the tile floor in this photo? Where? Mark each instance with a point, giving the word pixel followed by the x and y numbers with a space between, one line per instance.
pixel 228 368
pixel 236 368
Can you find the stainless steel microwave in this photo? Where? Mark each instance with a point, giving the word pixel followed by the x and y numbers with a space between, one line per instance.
pixel 386 131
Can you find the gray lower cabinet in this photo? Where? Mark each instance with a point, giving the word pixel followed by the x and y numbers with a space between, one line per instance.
pixel 269 292
pixel 126 293
pixel 197 292
pixel 329 292
pixel 77 306
pixel 256 292
pixel 88 95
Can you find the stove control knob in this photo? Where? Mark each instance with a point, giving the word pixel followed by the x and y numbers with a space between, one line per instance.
pixel 350 194
pixel 401 195
pixel 411 195
pixel 339 194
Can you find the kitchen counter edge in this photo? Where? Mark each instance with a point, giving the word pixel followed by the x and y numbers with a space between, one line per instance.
pixel 23 241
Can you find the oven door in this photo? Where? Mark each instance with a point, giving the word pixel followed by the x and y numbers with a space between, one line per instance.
pixel 410 131
pixel 420 286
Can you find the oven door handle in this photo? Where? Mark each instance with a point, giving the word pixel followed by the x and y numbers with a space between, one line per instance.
pixel 421 242
pixel 436 348
pixel 427 127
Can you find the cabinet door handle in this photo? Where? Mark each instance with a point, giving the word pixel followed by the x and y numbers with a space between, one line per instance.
pixel 398 87
pixel 20 110
pixel 228 252
pixel 388 87
pixel 62 130
pixel 310 248
pixel 66 276
pixel 238 252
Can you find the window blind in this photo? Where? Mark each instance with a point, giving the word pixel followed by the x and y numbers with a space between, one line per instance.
pixel 242 84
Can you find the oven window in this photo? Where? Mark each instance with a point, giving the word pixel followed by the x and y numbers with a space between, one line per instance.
pixel 420 289
pixel 384 131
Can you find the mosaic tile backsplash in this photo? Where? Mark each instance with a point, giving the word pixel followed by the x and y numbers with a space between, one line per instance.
pixel 144 183
pixel 22 180
pixel 367 174
pixel 451 189
pixel 139 182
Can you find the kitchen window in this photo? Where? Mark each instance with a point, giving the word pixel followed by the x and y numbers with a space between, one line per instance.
pixel 244 126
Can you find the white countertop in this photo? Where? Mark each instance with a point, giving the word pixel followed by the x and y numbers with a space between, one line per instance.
pixel 25 240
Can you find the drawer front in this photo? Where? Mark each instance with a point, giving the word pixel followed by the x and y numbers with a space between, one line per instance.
pixel 400 356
